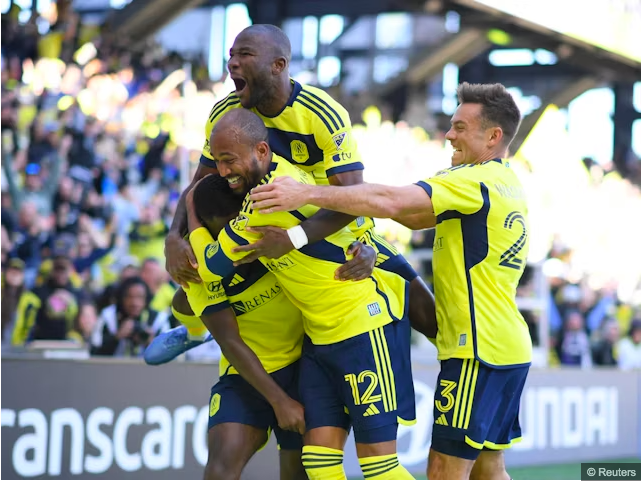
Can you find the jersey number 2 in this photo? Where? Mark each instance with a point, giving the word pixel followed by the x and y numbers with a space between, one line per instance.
pixel 509 257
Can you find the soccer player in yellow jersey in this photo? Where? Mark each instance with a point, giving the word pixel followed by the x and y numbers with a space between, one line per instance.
pixel 259 331
pixel 480 250
pixel 356 367
pixel 312 131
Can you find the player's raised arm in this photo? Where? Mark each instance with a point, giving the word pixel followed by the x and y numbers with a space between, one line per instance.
pixel 372 200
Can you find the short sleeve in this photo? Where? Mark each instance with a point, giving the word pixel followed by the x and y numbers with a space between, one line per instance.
pixel 235 234
pixel 453 190
pixel 334 134
pixel 213 265
pixel 212 260
pixel 205 156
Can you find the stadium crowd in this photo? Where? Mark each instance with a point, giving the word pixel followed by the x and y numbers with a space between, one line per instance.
pixel 92 143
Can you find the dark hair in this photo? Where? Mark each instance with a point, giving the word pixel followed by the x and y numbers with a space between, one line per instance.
pixel 498 107
pixel 124 287
pixel 214 198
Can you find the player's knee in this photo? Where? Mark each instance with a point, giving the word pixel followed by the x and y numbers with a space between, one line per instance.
pixel 489 465
pixel 180 303
pixel 222 467
pixel 444 466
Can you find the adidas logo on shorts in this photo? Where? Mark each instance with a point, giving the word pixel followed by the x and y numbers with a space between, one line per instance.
pixel 372 410
pixel 374 309
pixel 442 420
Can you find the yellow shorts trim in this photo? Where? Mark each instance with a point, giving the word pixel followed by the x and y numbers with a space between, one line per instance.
pixel 405 422
pixel 491 445
pixel 269 433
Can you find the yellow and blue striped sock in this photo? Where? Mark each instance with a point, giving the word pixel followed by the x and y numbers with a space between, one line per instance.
pixel 383 467
pixel 323 463
pixel 195 327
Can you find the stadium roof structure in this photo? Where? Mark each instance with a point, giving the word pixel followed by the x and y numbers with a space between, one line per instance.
pixel 593 45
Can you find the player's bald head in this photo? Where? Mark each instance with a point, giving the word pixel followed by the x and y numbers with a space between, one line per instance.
pixel 272 37
pixel 242 125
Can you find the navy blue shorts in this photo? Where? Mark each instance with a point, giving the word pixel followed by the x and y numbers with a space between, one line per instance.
pixel 364 381
pixel 387 257
pixel 476 407
pixel 234 400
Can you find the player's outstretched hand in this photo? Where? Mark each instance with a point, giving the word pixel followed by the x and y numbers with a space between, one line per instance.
pixel 275 243
pixel 283 194
pixel 361 266
pixel 290 415
pixel 181 261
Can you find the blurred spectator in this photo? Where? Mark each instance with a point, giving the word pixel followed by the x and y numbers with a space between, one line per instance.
pixel 157 280
pixel 7 245
pixel 575 344
pixel 30 238
pixel 147 236
pixel 109 294
pixel 128 326
pixel 60 304
pixel 630 348
pixel 603 351
pixel 19 305
pixel 39 188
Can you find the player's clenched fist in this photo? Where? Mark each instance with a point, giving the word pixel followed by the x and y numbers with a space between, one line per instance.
pixel 290 415
pixel 284 193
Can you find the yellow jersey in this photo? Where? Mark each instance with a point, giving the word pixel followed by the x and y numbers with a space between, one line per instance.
pixel 268 322
pixel 480 251
pixel 332 310
pixel 313 132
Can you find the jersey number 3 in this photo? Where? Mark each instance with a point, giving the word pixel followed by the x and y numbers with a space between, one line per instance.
pixel 509 257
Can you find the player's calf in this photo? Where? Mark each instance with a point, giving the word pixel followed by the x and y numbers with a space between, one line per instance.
pixel 445 466
pixel 291 464
pixel 183 312
pixel 380 461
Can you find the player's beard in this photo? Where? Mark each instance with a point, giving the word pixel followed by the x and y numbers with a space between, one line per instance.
pixel 261 92
pixel 254 174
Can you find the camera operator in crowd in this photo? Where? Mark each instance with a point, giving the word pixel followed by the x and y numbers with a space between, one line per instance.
pixel 128 326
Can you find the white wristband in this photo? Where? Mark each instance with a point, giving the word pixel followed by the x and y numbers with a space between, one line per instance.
pixel 297 236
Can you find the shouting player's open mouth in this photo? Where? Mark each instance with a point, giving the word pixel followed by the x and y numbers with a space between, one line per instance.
pixel 240 84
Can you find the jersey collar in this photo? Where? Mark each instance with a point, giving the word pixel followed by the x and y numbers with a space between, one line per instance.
pixel 500 161
pixel 295 91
